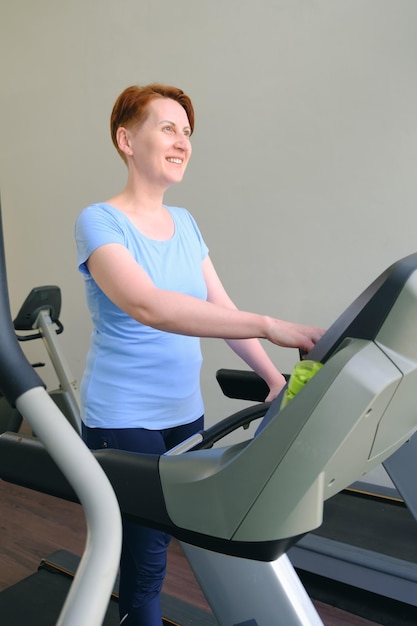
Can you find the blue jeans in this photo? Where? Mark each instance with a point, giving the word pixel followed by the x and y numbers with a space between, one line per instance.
pixel 144 550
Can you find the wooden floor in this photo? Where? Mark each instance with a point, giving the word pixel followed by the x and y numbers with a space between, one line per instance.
pixel 33 525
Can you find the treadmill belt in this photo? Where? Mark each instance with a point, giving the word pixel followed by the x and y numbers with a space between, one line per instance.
pixel 363 558
pixel 373 523
pixel 38 599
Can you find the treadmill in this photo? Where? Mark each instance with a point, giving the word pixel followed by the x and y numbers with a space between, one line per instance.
pixel 238 509
pixel 367 542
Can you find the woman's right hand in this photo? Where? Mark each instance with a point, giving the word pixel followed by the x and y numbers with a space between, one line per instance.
pixel 292 335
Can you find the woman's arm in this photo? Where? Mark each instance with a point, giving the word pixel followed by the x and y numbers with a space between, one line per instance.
pixel 249 350
pixel 130 288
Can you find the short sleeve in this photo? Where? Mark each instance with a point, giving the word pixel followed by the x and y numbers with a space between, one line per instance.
pixel 95 226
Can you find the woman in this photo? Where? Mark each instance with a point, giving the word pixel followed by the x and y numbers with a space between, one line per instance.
pixel 152 291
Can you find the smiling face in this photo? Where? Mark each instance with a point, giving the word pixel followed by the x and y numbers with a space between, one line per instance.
pixel 159 149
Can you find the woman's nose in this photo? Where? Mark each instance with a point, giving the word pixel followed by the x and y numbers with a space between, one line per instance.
pixel 182 142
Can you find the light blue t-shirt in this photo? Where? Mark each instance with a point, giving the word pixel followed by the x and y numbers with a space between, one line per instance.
pixel 137 376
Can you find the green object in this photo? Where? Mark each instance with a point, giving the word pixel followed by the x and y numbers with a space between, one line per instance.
pixel 301 374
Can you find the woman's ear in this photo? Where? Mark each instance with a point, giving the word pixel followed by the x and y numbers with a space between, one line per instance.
pixel 123 140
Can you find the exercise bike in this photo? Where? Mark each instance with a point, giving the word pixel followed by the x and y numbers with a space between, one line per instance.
pixel 39 318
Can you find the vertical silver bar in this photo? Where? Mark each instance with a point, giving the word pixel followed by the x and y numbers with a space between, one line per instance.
pixel 241 591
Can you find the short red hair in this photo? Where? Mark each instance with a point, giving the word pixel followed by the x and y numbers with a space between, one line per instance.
pixel 131 106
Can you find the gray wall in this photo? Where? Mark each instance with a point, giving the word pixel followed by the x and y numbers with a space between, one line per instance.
pixel 303 178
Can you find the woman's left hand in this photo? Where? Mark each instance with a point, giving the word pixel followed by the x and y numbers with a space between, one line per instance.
pixel 275 388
